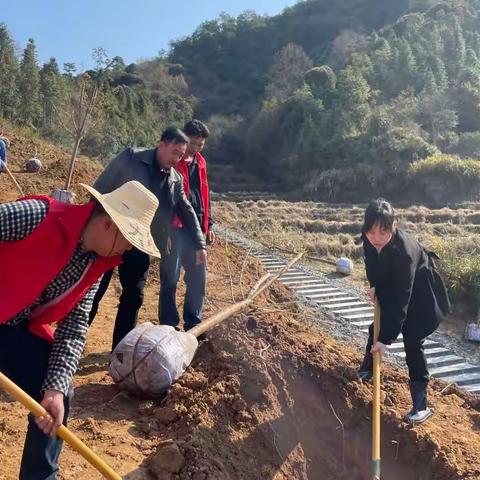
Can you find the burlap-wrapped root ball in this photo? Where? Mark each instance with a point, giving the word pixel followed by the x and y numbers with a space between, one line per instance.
pixel 151 358
pixel 344 266
pixel 34 165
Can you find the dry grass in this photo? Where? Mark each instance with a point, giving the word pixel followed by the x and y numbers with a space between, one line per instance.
pixel 330 231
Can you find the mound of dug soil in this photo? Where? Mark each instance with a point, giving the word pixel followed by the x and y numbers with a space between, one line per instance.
pixel 267 397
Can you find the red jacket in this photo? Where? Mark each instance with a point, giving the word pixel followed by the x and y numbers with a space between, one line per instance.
pixel 31 264
pixel 182 168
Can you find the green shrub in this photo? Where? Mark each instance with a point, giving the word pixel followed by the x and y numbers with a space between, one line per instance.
pixel 442 178
pixel 441 164
pixel 460 268
pixel 468 145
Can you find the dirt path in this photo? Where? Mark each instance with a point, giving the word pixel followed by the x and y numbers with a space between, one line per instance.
pixel 267 397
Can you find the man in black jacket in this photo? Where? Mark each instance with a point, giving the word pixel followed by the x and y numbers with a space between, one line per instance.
pixel 193 168
pixel 402 277
pixel 154 169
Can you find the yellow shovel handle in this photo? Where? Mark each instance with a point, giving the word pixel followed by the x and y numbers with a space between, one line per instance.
pixel 34 407
pixel 376 399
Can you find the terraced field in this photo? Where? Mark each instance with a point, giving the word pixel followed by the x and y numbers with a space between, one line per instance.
pixel 333 230
pixel 328 231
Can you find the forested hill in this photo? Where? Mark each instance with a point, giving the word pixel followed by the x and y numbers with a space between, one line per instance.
pixel 335 100
pixel 342 112
pixel 227 60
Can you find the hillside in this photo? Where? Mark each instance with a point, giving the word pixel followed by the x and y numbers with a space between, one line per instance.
pixel 210 56
pixel 296 98
pixel 339 108
pixel 24 145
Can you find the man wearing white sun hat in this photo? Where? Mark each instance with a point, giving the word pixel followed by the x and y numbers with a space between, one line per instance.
pixel 53 255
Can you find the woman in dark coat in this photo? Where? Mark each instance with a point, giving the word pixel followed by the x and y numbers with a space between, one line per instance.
pixel 411 295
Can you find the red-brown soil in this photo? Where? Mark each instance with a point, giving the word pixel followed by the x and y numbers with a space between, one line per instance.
pixel 268 396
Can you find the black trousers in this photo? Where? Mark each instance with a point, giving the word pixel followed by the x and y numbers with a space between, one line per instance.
pixel 133 274
pixel 415 356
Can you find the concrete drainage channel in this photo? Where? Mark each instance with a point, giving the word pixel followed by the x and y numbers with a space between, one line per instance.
pixel 443 363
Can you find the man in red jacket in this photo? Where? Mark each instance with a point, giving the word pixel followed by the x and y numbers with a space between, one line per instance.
pixel 52 256
pixel 180 248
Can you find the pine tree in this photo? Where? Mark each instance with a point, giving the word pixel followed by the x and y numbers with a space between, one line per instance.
pixel 382 59
pixel 69 68
pixel 29 86
pixel 429 83
pixel 406 68
pixel 472 62
pixel 9 96
pixel 352 109
pixel 435 41
pixel 50 95
pixel 439 71
pixel 454 48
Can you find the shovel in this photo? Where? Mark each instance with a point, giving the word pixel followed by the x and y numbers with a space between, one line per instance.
pixel 376 399
pixel 36 409
pixel 10 174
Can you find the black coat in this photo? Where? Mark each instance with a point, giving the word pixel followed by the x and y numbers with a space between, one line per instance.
pixel 411 294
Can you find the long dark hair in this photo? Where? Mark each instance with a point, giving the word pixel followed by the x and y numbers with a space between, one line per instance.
pixel 379 212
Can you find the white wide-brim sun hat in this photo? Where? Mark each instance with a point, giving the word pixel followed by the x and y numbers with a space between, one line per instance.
pixel 132 208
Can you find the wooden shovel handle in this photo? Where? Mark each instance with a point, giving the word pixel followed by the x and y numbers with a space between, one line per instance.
pixel 10 174
pixel 376 398
pixel 227 312
pixel 34 407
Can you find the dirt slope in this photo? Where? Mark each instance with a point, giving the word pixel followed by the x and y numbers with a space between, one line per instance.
pixel 24 145
pixel 266 398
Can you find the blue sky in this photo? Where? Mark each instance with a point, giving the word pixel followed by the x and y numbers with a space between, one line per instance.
pixel 133 29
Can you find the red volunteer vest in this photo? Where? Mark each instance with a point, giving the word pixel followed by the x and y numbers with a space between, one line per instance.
pixel 28 266
pixel 182 168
